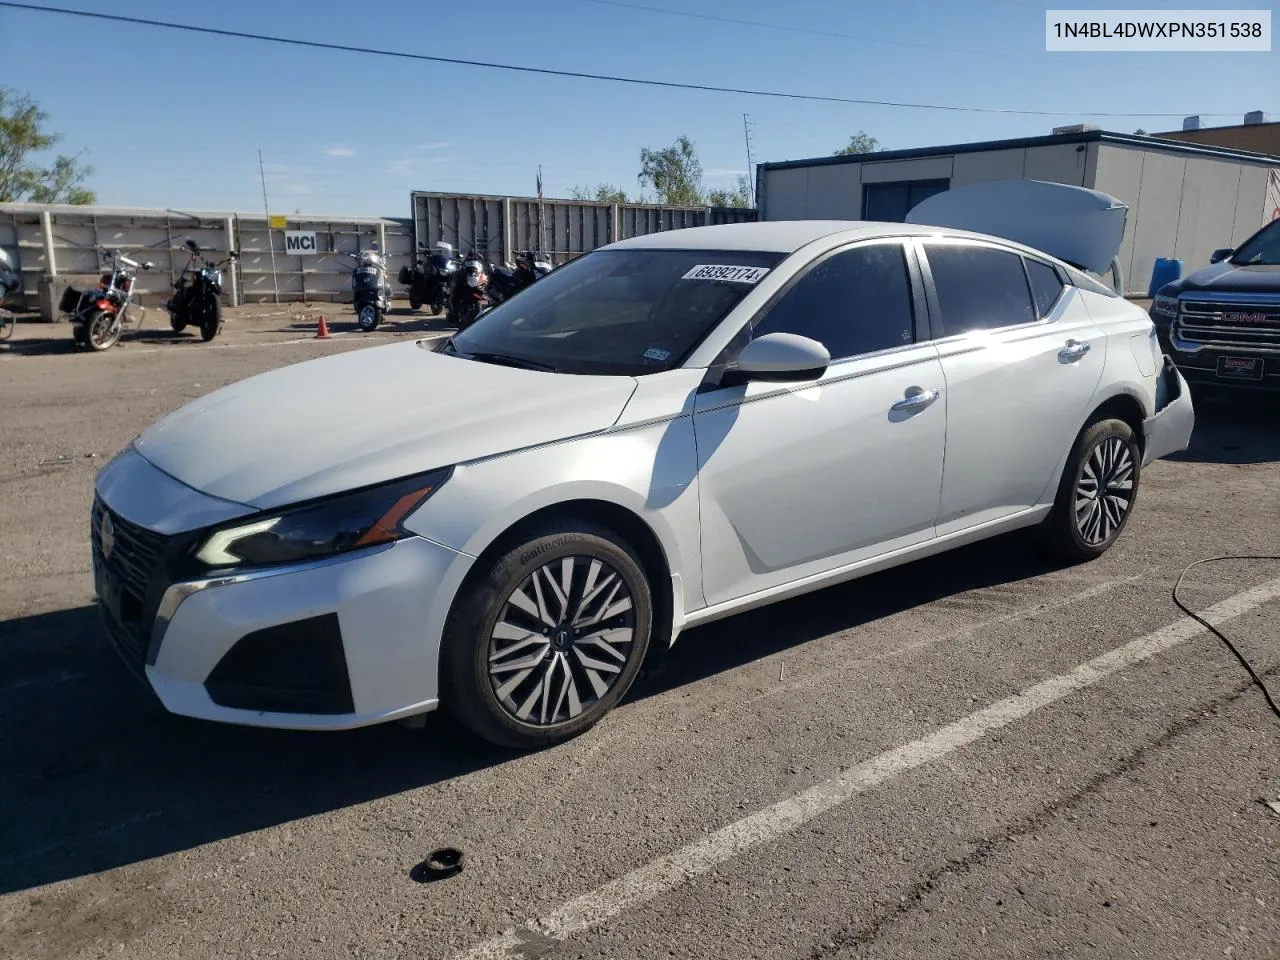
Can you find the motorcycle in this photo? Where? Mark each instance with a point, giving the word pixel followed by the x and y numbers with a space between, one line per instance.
pixel 99 315
pixel 197 298
pixel 471 292
pixel 507 281
pixel 370 289
pixel 10 282
pixel 430 279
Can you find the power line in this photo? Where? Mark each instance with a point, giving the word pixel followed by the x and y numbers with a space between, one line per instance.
pixel 547 71
pixel 791 28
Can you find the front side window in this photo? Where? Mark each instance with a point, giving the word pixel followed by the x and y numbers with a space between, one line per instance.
pixel 620 312
pixel 854 302
pixel 979 288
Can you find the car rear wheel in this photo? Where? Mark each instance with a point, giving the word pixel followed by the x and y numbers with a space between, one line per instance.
pixel 548 638
pixel 1097 493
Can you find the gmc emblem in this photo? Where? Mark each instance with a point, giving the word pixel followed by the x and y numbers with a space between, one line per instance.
pixel 1248 317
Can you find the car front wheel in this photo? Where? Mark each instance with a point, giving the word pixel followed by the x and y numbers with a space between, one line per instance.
pixel 1097 493
pixel 548 638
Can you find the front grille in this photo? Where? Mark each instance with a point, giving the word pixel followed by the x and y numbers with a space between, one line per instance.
pixel 134 553
pixel 132 563
pixel 1251 328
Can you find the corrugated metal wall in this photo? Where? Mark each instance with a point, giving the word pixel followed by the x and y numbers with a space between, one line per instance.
pixel 564 229
pixel 62 244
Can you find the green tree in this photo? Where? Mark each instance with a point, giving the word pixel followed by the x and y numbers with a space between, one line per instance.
pixel 600 193
pixel 675 173
pixel 22 138
pixel 859 143
pixel 739 196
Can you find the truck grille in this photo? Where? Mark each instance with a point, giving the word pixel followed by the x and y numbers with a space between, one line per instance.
pixel 1241 327
pixel 134 556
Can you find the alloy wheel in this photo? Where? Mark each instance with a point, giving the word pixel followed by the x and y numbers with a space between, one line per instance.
pixel 562 640
pixel 1104 491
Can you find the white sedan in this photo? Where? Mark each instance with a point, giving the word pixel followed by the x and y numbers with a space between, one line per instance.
pixel 666 431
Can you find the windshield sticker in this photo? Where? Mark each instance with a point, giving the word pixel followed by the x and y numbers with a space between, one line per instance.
pixel 723 271
pixel 656 353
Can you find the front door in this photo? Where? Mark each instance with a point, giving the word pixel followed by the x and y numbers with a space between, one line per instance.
pixel 1022 359
pixel 798 479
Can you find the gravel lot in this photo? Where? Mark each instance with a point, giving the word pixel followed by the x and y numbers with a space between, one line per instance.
pixel 1115 811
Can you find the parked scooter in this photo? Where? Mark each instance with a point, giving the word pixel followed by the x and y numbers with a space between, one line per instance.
pixel 197 299
pixel 430 280
pixel 10 283
pixel 98 315
pixel 470 292
pixel 507 281
pixel 370 289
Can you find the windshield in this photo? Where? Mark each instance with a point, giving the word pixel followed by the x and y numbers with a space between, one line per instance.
pixel 1262 248
pixel 626 312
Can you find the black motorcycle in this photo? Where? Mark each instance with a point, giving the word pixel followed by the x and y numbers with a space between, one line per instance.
pixel 430 280
pixel 197 294
pixel 506 281
pixel 370 288
pixel 471 296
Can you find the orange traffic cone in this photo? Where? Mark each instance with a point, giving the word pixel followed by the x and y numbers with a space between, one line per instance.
pixel 322 329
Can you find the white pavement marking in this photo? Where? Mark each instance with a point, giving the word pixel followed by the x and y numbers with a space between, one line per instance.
pixel 597 906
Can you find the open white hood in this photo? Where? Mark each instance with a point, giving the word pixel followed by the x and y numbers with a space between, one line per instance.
pixel 1083 227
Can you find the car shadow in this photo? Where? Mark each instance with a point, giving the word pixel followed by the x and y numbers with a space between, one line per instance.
pixel 1234 426
pixel 98 775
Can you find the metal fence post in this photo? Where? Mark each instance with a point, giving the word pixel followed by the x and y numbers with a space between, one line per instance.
pixel 46 227
pixel 234 266
pixel 506 229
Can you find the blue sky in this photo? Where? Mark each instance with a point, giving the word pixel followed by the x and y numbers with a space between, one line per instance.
pixel 174 119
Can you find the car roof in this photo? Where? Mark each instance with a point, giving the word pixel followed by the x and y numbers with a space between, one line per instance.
pixel 787 236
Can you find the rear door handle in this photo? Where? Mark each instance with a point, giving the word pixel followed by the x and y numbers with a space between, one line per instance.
pixel 1073 351
pixel 917 398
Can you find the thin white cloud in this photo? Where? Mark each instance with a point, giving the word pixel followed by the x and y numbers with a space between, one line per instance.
pixel 435 145
pixel 340 150
pixel 723 172
pixel 410 164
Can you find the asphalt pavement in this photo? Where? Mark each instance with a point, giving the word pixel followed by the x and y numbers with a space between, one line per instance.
pixel 981 755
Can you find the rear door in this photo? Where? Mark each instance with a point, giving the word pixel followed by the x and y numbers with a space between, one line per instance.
pixel 1022 359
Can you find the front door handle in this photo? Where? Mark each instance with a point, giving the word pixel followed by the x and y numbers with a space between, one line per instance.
pixel 1073 351
pixel 917 398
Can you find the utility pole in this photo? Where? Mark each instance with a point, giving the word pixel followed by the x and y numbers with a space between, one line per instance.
pixel 266 211
pixel 751 167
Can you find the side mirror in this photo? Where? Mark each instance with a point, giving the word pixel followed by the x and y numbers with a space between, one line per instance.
pixel 148 265
pixel 1219 255
pixel 782 357
pixel 191 245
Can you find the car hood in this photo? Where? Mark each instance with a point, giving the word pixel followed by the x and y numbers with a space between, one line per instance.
pixel 358 418
pixel 1227 277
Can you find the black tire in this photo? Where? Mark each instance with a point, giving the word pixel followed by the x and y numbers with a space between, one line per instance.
pixel 102 330
pixel 1063 527
pixel 209 316
pixel 467 687
pixel 368 317
pixel 177 323
pixel 414 302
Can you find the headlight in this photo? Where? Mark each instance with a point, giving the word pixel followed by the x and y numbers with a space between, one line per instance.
pixel 1164 307
pixel 362 518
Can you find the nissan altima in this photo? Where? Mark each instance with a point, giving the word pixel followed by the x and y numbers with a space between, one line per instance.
pixel 665 431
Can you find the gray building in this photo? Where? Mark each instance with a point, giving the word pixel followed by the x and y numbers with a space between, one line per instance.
pixel 1185 199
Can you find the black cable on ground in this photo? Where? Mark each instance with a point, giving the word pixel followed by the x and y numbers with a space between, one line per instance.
pixel 1253 674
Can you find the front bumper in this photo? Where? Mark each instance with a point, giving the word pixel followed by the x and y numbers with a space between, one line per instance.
pixel 343 642
pixel 1169 430
pixel 1209 365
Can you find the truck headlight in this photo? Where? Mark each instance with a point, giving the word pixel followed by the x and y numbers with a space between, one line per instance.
pixel 1164 308
pixel 349 521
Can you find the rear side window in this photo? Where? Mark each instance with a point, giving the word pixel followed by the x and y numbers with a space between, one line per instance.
pixel 855 302
pixel 1046 286
pixel 979 288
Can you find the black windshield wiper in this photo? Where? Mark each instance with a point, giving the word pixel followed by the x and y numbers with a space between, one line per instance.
pixel 505 360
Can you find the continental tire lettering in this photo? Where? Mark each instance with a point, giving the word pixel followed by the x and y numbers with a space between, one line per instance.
pixel 551 543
